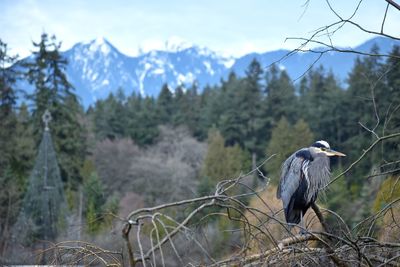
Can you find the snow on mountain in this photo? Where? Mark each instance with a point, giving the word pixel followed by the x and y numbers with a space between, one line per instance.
pixel 97 68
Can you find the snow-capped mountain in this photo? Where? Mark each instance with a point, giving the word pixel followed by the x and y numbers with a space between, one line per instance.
pixel 97 68
pixel 298 63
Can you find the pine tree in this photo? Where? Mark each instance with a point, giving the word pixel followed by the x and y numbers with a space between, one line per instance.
pixel 192 110
pixel 165 108
pixel 8 100
pixel 95 199
pixel 285 140
pixel 103 114
pixel 364 84
pixel 179 105
pixel 230 120
pixel 280 96
pixel 119 115
pixel 223 162
pixel 53 91
pixel 250 107
pixel 205 121
pixel 142 122
pixel 24 147
pixel 213 165
pixel 320 106
pixel 389 100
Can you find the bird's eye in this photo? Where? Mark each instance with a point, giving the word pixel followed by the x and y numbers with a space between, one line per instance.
pixel 323 148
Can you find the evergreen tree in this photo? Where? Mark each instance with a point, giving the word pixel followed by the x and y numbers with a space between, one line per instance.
pixel 119 115
pixel 250 107
pixel 213 167
pixel 205 116
pixel 223 162
pixel 8 100
pixel 230 120
pixel 240 119
pixel 192 110
pixel 53 91
pixel 280 99
pixel 95 199
pixel 219 102
pixel 24 147
pixel 103 118
pixel 390 101
pixel 364 85
pixel 320 106
pixel 179 105
pixel 147 130
pixel 286 139
pixel 165 107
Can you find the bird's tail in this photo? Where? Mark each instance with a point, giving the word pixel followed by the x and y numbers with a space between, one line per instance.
pixel 292 215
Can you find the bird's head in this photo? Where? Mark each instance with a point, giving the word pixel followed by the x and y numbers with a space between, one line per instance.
pixel 323 148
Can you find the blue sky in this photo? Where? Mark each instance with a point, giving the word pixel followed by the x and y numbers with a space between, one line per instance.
pixel 231 27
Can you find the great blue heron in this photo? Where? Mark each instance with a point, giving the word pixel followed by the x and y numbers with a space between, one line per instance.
pixel 304 173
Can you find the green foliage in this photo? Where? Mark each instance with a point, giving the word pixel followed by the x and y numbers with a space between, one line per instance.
pixel 24 145
pixel 11 193
pixel 281 100
pixel 245 115
pixel 320 106
pixel 223 162
pixel 285 140
pixel 241 122
pixel 8 99
pixel 95 199
pixel 388 192
pixel 92 220
pixel 52 91
pixel 337 198
pixel 165 107
pixel 110 208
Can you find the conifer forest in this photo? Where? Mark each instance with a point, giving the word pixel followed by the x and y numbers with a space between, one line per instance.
pixel 189 177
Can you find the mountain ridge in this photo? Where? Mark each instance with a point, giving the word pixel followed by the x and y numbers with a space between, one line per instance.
pixel 97 68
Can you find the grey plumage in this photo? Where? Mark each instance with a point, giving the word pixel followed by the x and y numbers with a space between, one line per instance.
pixel 303 175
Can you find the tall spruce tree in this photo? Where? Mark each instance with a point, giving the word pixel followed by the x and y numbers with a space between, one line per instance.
pixel 53 91
pixel 320 107
pixel 165 104
pixel 179 104
pixel 250 107
pixel 280 100
pixel 142 120
pixel 192 109
pixel 8 100
pixel 230 121
pixel 364 83
pixel 389 99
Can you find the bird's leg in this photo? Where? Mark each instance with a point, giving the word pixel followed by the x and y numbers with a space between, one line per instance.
pixel 303 230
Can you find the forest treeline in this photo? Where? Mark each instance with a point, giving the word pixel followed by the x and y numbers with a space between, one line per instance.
pixel 183 142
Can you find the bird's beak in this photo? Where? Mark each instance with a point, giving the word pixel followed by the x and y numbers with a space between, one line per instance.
pixel 331 152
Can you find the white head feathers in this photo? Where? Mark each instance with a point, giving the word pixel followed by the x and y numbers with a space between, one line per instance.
pixel 324 143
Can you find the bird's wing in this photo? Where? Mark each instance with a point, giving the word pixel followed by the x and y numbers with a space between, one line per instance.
pixel 292 172
pixel 320 174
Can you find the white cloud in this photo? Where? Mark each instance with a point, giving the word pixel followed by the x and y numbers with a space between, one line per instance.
pixel 233 28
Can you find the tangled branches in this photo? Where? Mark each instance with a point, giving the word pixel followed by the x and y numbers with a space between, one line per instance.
pixel 79 253
pixel 265 239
